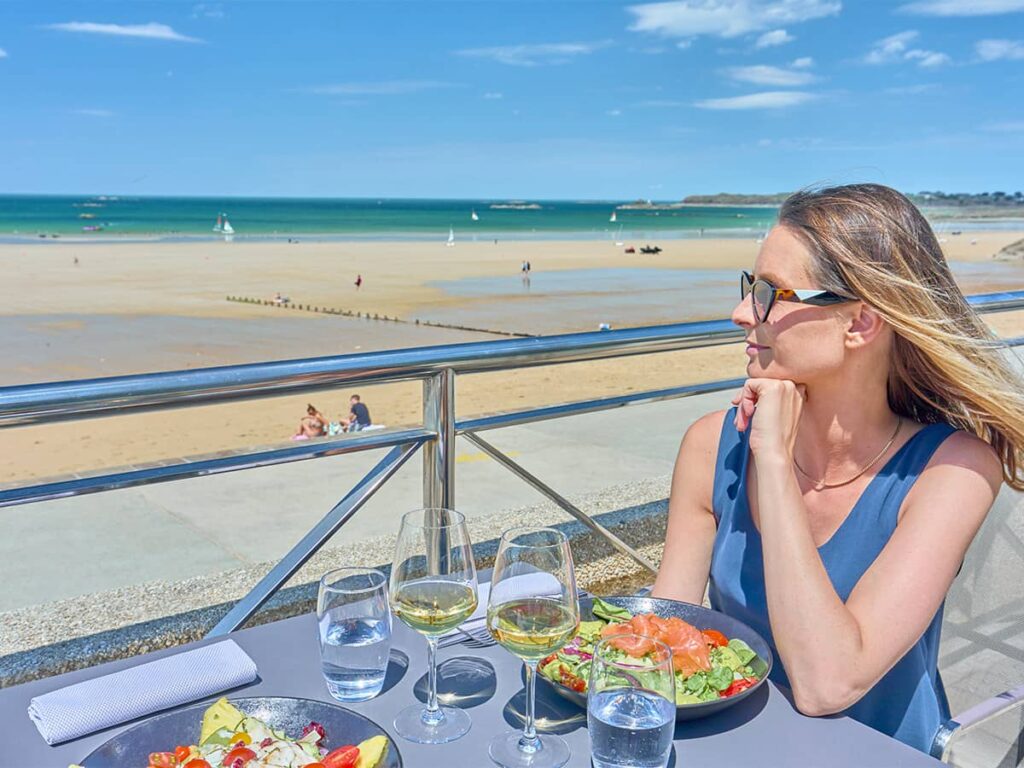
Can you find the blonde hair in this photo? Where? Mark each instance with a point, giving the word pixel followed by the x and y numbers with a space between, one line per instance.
pixel 869 241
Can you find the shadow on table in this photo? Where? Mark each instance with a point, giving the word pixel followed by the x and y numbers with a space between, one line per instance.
pixel 462 681
pixel 727 720
pixel 398 665
pixel 553 714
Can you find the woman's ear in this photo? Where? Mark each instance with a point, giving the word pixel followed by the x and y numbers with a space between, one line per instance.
pixel 864 325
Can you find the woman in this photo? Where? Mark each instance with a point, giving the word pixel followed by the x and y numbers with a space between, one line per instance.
pixel 313 424
pixel 832 507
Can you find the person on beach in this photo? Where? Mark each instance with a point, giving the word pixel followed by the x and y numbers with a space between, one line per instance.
pixel 358 415
pixel 831 508
pixel 359 282
pixel 313 424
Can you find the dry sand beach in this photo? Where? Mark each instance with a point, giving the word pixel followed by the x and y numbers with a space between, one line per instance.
pixel 148 306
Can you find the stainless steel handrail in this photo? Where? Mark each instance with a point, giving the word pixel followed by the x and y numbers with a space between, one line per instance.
pixel 38 403
pixel 436 366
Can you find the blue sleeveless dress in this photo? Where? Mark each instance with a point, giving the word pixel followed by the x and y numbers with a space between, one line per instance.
pixel 909 703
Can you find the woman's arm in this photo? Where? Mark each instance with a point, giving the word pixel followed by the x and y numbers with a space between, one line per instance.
pixel 833 652
pixel 683 574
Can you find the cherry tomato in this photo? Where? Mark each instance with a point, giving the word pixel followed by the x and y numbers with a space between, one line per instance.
pixel 197 763
pixel 244 753
pixel 162 760
pixel 738 685
pixel 342 757
pixel 714 637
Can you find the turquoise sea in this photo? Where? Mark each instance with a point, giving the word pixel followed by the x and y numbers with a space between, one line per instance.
pixel 117 217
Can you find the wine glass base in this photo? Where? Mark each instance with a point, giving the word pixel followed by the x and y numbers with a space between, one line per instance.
pixel 413 726
pixel 552 751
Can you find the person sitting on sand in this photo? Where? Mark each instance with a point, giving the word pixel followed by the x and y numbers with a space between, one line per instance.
pixel 358 416
pixel 313 424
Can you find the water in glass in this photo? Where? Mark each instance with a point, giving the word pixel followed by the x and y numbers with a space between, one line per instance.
pixel 355 632
pixel 630 727
pixel 354 656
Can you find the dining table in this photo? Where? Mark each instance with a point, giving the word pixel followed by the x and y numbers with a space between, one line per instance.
pixel 764 730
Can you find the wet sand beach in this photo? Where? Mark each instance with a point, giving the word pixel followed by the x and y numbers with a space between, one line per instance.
pixel 137 307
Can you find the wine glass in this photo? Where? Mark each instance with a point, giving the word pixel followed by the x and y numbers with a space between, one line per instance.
pixel 433 590
pixel 532 612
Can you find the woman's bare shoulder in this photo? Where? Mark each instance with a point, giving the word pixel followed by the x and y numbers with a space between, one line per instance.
pixel 966 451
pixel 703 435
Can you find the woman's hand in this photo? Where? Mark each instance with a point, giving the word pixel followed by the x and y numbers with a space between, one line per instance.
pixel 779 403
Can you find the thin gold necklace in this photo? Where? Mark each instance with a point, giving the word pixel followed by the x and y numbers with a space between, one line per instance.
pixel 821 484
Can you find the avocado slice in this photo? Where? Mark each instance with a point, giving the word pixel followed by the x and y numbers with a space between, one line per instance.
pixel 372 751
pixel 219 715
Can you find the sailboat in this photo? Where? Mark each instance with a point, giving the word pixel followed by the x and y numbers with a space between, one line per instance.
pixel 227 229
pixel 612 218
pixel 451 237
pixel 473 216
pixel 219 226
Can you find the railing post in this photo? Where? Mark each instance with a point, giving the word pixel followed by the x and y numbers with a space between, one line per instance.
pixel 439 454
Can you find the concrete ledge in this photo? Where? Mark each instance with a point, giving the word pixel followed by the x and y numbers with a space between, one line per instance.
pixel 54 638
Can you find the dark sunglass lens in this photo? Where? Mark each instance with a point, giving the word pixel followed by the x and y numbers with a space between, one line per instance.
pixel 744 285
pixel 763 294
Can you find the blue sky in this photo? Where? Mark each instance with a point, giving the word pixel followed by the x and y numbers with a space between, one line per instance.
pixel 589 100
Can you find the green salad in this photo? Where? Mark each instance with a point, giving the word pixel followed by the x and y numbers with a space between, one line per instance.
pixel 707 665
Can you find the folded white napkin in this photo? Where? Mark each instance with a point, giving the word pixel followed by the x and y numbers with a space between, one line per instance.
pixel 102 702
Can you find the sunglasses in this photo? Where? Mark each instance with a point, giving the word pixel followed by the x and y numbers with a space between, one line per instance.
pixel 763 296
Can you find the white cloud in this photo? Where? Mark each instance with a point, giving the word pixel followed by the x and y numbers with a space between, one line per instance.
pixel 614 112
pixel 890 48
pixel 3 53
pixel 94 112
pixel 897 48
pixel 153 30
pixel 208 11
pixel 804 62
pixel 1011 126
pixel 994 50
pixel 762 74
pixel 725 18
pixel 534 54
pixel 962 7
pixel 765 100
pixel 775 37
pixel 493 95
pixel 928 58
pixel 380 88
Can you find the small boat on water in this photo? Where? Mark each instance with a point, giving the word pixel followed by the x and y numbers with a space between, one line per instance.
pixel 451 237
pixel 92 228
pixel 473 216
pixel 87 215
pixel 223 226
pixel 612 218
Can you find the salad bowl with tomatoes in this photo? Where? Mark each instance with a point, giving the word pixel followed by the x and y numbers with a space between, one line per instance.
pixel 267 732
pixel 718 661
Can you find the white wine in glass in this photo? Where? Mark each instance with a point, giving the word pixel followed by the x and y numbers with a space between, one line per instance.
pixel 433 590
pixel 532 612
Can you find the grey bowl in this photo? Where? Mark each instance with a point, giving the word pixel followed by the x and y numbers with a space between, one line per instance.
pixel 165 732
pixel 701 618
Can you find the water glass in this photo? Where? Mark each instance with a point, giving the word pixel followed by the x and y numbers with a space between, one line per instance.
pixel 355 632
pixel 631 703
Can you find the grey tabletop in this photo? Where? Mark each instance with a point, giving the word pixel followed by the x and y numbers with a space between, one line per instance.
pixel 764 730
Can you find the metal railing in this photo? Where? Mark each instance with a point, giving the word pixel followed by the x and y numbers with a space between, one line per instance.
pixel 437 367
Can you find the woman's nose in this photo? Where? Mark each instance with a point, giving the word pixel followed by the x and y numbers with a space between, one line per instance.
pixel 743 313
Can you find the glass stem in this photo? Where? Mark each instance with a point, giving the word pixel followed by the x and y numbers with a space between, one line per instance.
pixel 529 742
pixel 433 713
